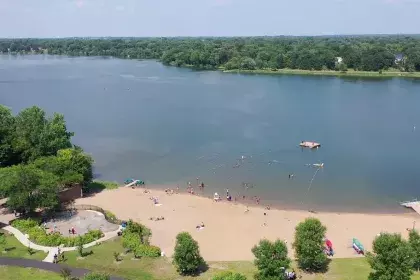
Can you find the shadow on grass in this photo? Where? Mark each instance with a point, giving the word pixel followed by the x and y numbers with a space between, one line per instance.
pixel 323 269
pixel 98 186
pixel 86 254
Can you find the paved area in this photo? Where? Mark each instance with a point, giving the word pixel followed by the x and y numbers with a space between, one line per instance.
pixel 75 272
pixel 82 221
pixel 23 238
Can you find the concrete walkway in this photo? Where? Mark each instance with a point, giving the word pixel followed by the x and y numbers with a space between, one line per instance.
pixel 75 272
pixel 53 250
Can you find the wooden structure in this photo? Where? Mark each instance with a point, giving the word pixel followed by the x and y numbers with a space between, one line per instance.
pixel 308 144
pixel 415 205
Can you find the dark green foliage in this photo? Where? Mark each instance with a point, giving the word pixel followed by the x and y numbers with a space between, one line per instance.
pixel 187 258
pixel 370 53
pixel 28 188
pixel 37 135
pixel 37 159
pixel 271 259
pixel 392 258
pixel 414 240
pixel 136 237
pixel 309 245
pixel 228 275
pixel 96 276
pixel 7 128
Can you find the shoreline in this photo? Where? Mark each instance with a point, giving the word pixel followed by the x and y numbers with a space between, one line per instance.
pixel 295 72
pixel 226 223
pixel 329 73
pixel 279 206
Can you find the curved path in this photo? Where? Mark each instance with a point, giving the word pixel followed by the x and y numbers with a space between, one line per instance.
pixel 53 250
pixel 75 272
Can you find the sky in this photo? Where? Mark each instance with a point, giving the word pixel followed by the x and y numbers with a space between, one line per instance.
pixel 164 18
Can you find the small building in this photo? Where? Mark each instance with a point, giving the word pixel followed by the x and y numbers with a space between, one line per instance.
pixel 338 60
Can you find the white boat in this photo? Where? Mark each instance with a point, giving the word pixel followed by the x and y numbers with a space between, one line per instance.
pixel 320 165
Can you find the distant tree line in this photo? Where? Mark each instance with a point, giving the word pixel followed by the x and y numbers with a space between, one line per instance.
pixel 366 53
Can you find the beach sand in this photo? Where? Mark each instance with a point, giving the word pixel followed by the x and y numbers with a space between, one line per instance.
pixel 229 232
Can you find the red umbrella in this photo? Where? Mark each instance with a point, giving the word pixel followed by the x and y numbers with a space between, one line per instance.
pixel 328 243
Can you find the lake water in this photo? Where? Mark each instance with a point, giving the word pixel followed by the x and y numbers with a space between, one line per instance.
pixel 169 125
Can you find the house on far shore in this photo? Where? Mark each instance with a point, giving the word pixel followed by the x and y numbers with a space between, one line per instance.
pixel 338 60
pixel 399 57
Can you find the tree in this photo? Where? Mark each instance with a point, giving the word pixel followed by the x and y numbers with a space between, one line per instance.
pixel 28 188
pixel 271 259
pixel 37 136
pixel 187 258
pixel 7 123
pixel 72 166
pixel 309 245
pixel 228 275
pixel 414 240
pixel 392 258
pixel 96 276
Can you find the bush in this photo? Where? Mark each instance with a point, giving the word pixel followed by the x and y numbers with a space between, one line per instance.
pixel 110 217
pixel 130 240
pixel 38 235
pixel 147 251
pixel 142 231
pixel 271 259
pixel 309 245
pixel 414 240
pixel 392 258
pixel 187 258
pixel 228 275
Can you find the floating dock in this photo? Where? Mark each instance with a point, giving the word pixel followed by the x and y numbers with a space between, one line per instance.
pixel 415 205
pixel 308 144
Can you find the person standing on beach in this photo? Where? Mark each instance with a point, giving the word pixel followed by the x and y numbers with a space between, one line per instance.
pixel 227 192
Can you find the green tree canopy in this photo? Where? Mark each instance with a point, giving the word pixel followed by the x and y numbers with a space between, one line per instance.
pixel 187 258
pixel 37 136
pixel 7 128
pixel 392 258
pixel 271 259
pixel 72 166
pixel 28 188
pixel 414 240
pixel 309 245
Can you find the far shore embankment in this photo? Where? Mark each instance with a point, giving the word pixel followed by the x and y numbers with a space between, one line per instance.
pixel 230 230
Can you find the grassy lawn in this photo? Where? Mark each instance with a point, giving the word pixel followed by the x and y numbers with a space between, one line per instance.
pixel 102 259
pixel 15 273
pixel 14 249
pixel 98 185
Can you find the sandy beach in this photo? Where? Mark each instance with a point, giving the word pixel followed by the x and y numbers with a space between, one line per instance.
pixel 229 232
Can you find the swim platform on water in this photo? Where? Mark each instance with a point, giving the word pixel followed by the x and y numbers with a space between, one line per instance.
pixel 309 144
pixel 414 204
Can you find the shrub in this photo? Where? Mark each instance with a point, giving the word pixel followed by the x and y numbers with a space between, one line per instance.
pixel 309 245
pixel 130 240
pixel 116 256
pixel 187 258
pixel 147 251
pixel 142 231
pixel 228 275
pixel 414 240
pixel 271 259
pixel 38 235
pixel 110 217
pixel 392 258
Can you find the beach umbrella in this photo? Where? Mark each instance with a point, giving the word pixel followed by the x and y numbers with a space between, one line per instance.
pixel 328 243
